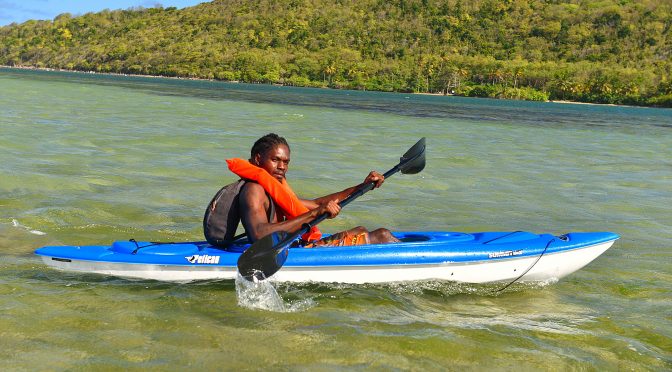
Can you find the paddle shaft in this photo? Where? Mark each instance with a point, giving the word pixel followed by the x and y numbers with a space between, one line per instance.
pixel 356 194
pixel 359 192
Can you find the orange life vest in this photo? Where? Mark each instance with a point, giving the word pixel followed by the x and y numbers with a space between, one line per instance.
pixel 280 192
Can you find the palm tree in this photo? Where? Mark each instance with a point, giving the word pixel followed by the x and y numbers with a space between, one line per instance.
pixel 517 74
pixel 330 70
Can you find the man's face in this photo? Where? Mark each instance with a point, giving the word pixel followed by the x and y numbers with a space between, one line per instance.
pixel 275 161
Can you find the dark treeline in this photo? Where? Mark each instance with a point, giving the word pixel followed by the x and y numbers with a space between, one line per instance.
pixel 608 51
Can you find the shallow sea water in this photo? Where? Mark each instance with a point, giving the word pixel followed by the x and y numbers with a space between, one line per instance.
pixel 89 159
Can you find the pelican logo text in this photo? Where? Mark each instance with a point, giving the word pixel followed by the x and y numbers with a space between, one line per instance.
pixel 203 259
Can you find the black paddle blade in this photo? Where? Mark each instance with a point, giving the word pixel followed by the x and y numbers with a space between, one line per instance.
pixel 264 258
pixel 413 161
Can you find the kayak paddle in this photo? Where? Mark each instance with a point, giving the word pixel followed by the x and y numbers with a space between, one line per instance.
pixel 267 255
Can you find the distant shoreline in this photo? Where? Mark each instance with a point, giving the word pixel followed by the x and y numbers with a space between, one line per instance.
pixel 236 81
pixel 105 73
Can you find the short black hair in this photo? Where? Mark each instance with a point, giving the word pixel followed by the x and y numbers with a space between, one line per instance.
pixel 266 143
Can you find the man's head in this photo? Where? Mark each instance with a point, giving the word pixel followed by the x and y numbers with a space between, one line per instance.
pixel 271 152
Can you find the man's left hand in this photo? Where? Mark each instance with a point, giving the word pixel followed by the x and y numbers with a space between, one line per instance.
pixel 376 178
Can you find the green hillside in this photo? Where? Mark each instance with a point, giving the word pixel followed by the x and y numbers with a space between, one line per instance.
pixel 608 51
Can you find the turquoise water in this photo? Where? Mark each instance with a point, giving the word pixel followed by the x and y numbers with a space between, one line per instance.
pixel 88 159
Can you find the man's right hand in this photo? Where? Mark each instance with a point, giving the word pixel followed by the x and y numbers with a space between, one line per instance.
pixel 332 208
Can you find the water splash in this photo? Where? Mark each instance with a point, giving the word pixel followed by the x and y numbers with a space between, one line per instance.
pixel 16 223
pixel 262 295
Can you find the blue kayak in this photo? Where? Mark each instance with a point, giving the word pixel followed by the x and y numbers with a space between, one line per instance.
pixel 462 257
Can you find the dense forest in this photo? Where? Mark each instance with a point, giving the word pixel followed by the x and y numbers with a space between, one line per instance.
pixel 603 51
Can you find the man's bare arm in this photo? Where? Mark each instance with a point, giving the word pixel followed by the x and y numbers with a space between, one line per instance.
pixel 338 196
pixel 253 206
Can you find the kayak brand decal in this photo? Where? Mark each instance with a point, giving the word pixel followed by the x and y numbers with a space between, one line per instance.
pixel 203 259
pixel 505 254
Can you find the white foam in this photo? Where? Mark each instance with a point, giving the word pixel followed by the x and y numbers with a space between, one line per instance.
pixel 258 295
pixel 16 223
pixel 262 295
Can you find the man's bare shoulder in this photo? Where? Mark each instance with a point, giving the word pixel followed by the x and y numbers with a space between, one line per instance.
pixel 252 191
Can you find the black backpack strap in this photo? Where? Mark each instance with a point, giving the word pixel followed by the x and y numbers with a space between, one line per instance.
pixel 271 210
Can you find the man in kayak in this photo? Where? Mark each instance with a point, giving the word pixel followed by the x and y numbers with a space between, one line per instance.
pixel 258 200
